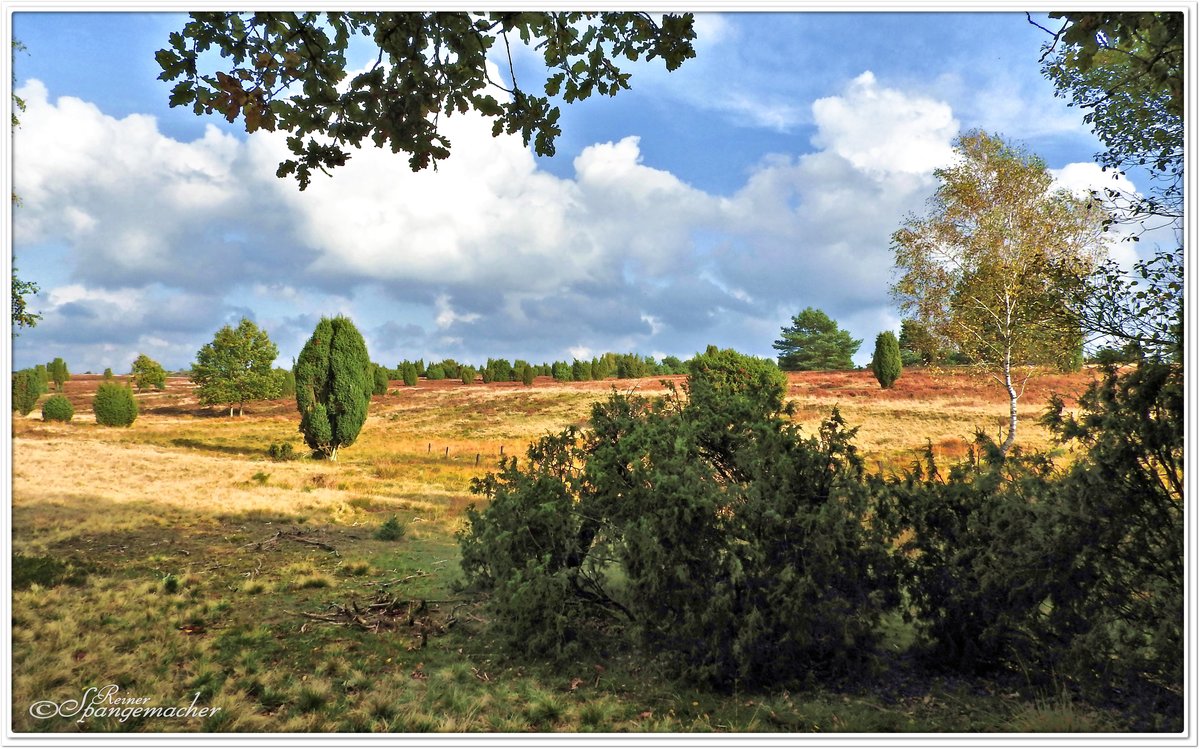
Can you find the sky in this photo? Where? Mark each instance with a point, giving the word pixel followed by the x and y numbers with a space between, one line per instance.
pixel 705 206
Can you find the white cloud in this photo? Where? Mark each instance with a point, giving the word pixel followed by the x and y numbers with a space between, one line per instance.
pixel 883 131
pixel 1086 178
pixel 487 255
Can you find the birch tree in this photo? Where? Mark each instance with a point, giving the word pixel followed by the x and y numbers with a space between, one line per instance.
pixel 988 269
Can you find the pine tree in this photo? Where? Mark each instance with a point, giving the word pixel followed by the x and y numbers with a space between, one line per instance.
pixel 814 342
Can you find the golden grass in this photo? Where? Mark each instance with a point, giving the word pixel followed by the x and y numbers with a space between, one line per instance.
pixel 195 577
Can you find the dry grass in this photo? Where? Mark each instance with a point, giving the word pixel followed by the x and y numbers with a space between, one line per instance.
pixel 192 553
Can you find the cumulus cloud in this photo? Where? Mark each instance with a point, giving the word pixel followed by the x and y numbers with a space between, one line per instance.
pixel 1087 178
pixel 882 131
pixel 489 255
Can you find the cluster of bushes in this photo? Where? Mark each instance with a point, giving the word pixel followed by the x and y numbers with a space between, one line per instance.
pixel 1014 563
pixel 621 366
pixel 745 553
pixel 281 452
pixel 30 384
pixel 684 520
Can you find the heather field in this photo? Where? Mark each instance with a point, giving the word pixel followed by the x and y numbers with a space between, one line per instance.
pixel 174 558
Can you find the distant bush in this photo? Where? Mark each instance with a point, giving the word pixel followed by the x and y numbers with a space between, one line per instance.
pixel 379 379
pixel 527 375
pixel 114 405
pixel 581 371
pixel 467 374
pixel 410 374
pixel 391 529
pixel 26 389
pixel 281 452
pixel 108 373
pixel 287 380
pixel 57 408
pixel 435 372
pixel 58 372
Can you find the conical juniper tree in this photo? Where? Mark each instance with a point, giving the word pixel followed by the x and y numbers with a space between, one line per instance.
pixel 333 386
pixel 886 363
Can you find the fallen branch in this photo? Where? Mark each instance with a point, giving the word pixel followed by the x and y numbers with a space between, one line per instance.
pixel 389 613
pixel 273 541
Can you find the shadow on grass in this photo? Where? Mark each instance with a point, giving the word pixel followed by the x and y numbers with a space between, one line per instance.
pixel 196 444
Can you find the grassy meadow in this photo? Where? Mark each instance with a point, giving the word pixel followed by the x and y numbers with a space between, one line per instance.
pixel 175 557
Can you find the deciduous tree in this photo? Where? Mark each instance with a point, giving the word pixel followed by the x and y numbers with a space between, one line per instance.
pixel 288 71
pixel 148 373
pixel 992 266
pixel 236 367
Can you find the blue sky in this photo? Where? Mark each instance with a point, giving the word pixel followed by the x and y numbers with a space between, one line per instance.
pixel 707 205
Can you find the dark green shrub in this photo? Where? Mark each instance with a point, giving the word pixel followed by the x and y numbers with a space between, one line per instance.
pixel 57 408
pixel 486 376
pixel 108 373
pixel 58 372
pixel 1075 574
pixel 467 374
pixel 114 405
pixel 501 370
pixel 886 362
pixel 435 372
pixel 379 380
pixel 281 452
pixel 391 529
pixel 287 383
pixel 581 371
pixel 26 389
pixel 1121 509
pixel 527 375
pixel 43 377
pixel 410 374
pixel 333 386
pixel 744 552
pixel 969 561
